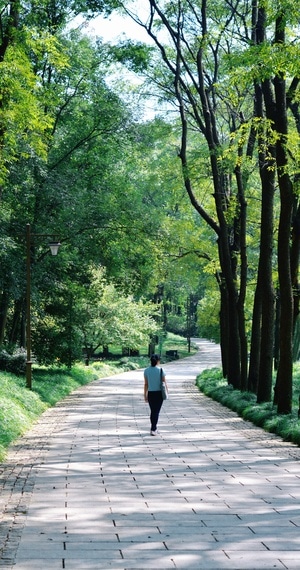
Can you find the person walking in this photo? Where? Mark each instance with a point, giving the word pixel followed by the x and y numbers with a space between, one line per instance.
pixel 153 375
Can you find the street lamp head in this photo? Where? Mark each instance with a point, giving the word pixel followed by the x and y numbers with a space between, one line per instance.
pixel 54 245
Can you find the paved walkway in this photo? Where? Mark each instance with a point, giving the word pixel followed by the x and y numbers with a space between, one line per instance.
pixel 88 488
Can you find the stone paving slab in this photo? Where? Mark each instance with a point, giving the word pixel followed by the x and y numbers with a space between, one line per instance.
pixel 88 488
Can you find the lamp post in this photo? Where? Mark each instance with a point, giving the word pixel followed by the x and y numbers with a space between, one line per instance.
pixel 54 245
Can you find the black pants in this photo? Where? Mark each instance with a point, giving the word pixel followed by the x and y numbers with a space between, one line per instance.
pixel 155 402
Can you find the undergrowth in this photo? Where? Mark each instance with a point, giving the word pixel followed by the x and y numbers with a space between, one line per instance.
pixel 212 384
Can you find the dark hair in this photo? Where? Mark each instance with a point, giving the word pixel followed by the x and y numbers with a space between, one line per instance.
pixel 154 359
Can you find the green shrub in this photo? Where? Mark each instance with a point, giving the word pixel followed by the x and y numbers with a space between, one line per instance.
pixel 129 364
pixel 264 415
pixel 15 362
pixel 176 324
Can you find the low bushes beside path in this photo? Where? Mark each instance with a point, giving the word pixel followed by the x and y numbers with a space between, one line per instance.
pixel 212 384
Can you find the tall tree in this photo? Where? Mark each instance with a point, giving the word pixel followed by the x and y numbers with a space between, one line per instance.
pixel 199 43
pixel 285 368
pixel 195 46
pixel 262 339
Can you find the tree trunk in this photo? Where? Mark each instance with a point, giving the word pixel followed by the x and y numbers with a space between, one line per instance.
pixel 264 287
pixel 233 356
pixel 3 314
pixel 285 368
pixel 265 282
pixel 223 315
pixel 242 247
pixel 293 105
pixel 255 340
pixel 295 257
pixel 277 331
pixel 15 333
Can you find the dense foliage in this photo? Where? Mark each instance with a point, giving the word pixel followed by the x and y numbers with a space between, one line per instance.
pixel 76 166
pixel 232 71
pixel 190 216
